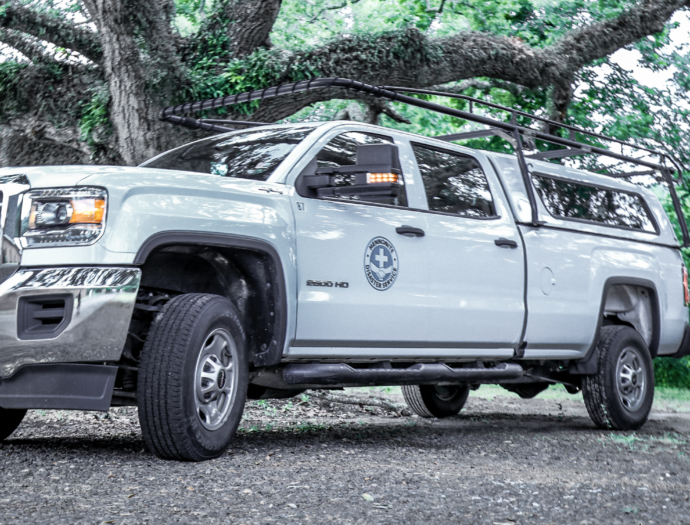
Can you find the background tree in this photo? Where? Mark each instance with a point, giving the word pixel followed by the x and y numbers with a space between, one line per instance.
pixel 83 80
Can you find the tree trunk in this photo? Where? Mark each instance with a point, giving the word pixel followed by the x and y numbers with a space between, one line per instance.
pixel 133 113
pixel 249 24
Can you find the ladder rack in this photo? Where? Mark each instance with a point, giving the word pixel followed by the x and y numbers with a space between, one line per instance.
pixel 511 131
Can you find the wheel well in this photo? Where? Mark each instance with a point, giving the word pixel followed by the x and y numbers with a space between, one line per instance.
pixel 250 278
pixel 636 306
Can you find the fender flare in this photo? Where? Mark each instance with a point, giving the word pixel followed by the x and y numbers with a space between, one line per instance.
pixel 589 364
pixel 274 353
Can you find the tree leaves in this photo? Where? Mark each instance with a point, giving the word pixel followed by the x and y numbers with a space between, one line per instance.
pixel 415 42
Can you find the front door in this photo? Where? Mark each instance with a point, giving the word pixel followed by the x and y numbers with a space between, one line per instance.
pixel 361 284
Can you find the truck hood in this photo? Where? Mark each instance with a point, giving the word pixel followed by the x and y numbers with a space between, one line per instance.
pixel 60 176
pixel 116 176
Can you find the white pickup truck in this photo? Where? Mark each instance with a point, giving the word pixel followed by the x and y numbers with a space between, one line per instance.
pixel 263 262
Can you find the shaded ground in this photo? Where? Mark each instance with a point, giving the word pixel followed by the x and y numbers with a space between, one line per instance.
pixel 502 461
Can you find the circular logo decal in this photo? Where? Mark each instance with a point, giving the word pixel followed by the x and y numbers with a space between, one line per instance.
pixel 381 263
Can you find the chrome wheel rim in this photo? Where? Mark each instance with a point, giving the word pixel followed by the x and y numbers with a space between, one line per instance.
pixel 631 379
pixel 445 393
pixel 215 379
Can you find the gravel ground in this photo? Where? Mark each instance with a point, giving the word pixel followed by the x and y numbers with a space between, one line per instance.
pixel 502 461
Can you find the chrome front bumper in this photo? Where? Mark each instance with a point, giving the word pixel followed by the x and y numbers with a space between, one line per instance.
pixel 98 310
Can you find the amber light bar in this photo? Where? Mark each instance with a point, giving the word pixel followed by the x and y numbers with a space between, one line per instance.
pixel 373 178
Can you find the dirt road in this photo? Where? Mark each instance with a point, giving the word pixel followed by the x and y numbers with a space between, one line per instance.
pixel 502 461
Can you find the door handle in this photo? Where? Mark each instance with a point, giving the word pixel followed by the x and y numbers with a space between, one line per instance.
pixel 506 242
pixel 410 231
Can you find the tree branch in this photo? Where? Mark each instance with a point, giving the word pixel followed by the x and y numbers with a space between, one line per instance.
pixel 234 28
pixel 248 23
pixel 55 30
pixel 460 87
pixel 27 46
pixel 375 107
pixel 409 58
pixel 582 46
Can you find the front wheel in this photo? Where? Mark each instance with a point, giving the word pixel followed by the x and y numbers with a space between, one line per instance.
pixel 193 378
pixel 620 395
pixel 436 401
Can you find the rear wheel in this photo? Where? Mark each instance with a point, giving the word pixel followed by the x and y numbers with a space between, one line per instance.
pixel 193 378
pixel 620 395
pixel 10 418
pixel 436 401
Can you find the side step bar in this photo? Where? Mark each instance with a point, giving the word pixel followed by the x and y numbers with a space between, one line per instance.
pixel 418 374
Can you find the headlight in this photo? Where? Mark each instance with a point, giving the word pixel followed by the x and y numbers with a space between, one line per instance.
pixel 61 217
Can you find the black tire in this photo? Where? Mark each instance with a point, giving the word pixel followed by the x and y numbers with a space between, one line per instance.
pixel 436 401
pixel 607 402
pixel 171 422
pixel 10 419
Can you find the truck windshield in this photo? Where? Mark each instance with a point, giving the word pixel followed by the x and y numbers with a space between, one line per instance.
pixel 251 155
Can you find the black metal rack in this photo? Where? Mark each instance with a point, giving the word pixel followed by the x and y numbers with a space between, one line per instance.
pixel 511 131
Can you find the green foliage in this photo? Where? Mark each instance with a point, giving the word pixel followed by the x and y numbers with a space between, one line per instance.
pixel 94 118
pixel 190 14
pixel 12 99
pixel 669 372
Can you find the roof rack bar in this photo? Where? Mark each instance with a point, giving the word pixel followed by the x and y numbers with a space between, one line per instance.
pixel 632 173
pixel 510 127
pixel 466 135
pixel 192 123
pixel 571 129
pixel 172 114
pixel 558 153
pixel 678 169
pixel 232 122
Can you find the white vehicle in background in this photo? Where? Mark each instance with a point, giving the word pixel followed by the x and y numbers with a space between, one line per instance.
pixel 262 262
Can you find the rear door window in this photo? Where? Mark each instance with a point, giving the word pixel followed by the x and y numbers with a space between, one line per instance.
pixel 454 183
pixel 584 202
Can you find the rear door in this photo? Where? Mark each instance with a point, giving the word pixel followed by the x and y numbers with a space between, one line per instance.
pixel 474 254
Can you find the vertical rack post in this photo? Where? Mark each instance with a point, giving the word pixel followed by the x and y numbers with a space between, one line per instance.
pixel 526 179
pixel 678 208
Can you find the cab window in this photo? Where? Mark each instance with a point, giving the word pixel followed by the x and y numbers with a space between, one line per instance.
pixel 454 183
pixel 342 151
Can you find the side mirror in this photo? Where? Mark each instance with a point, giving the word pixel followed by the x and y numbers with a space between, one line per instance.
pixel 376 175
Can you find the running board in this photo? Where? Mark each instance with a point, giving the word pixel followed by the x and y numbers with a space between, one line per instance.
pixel 418 374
